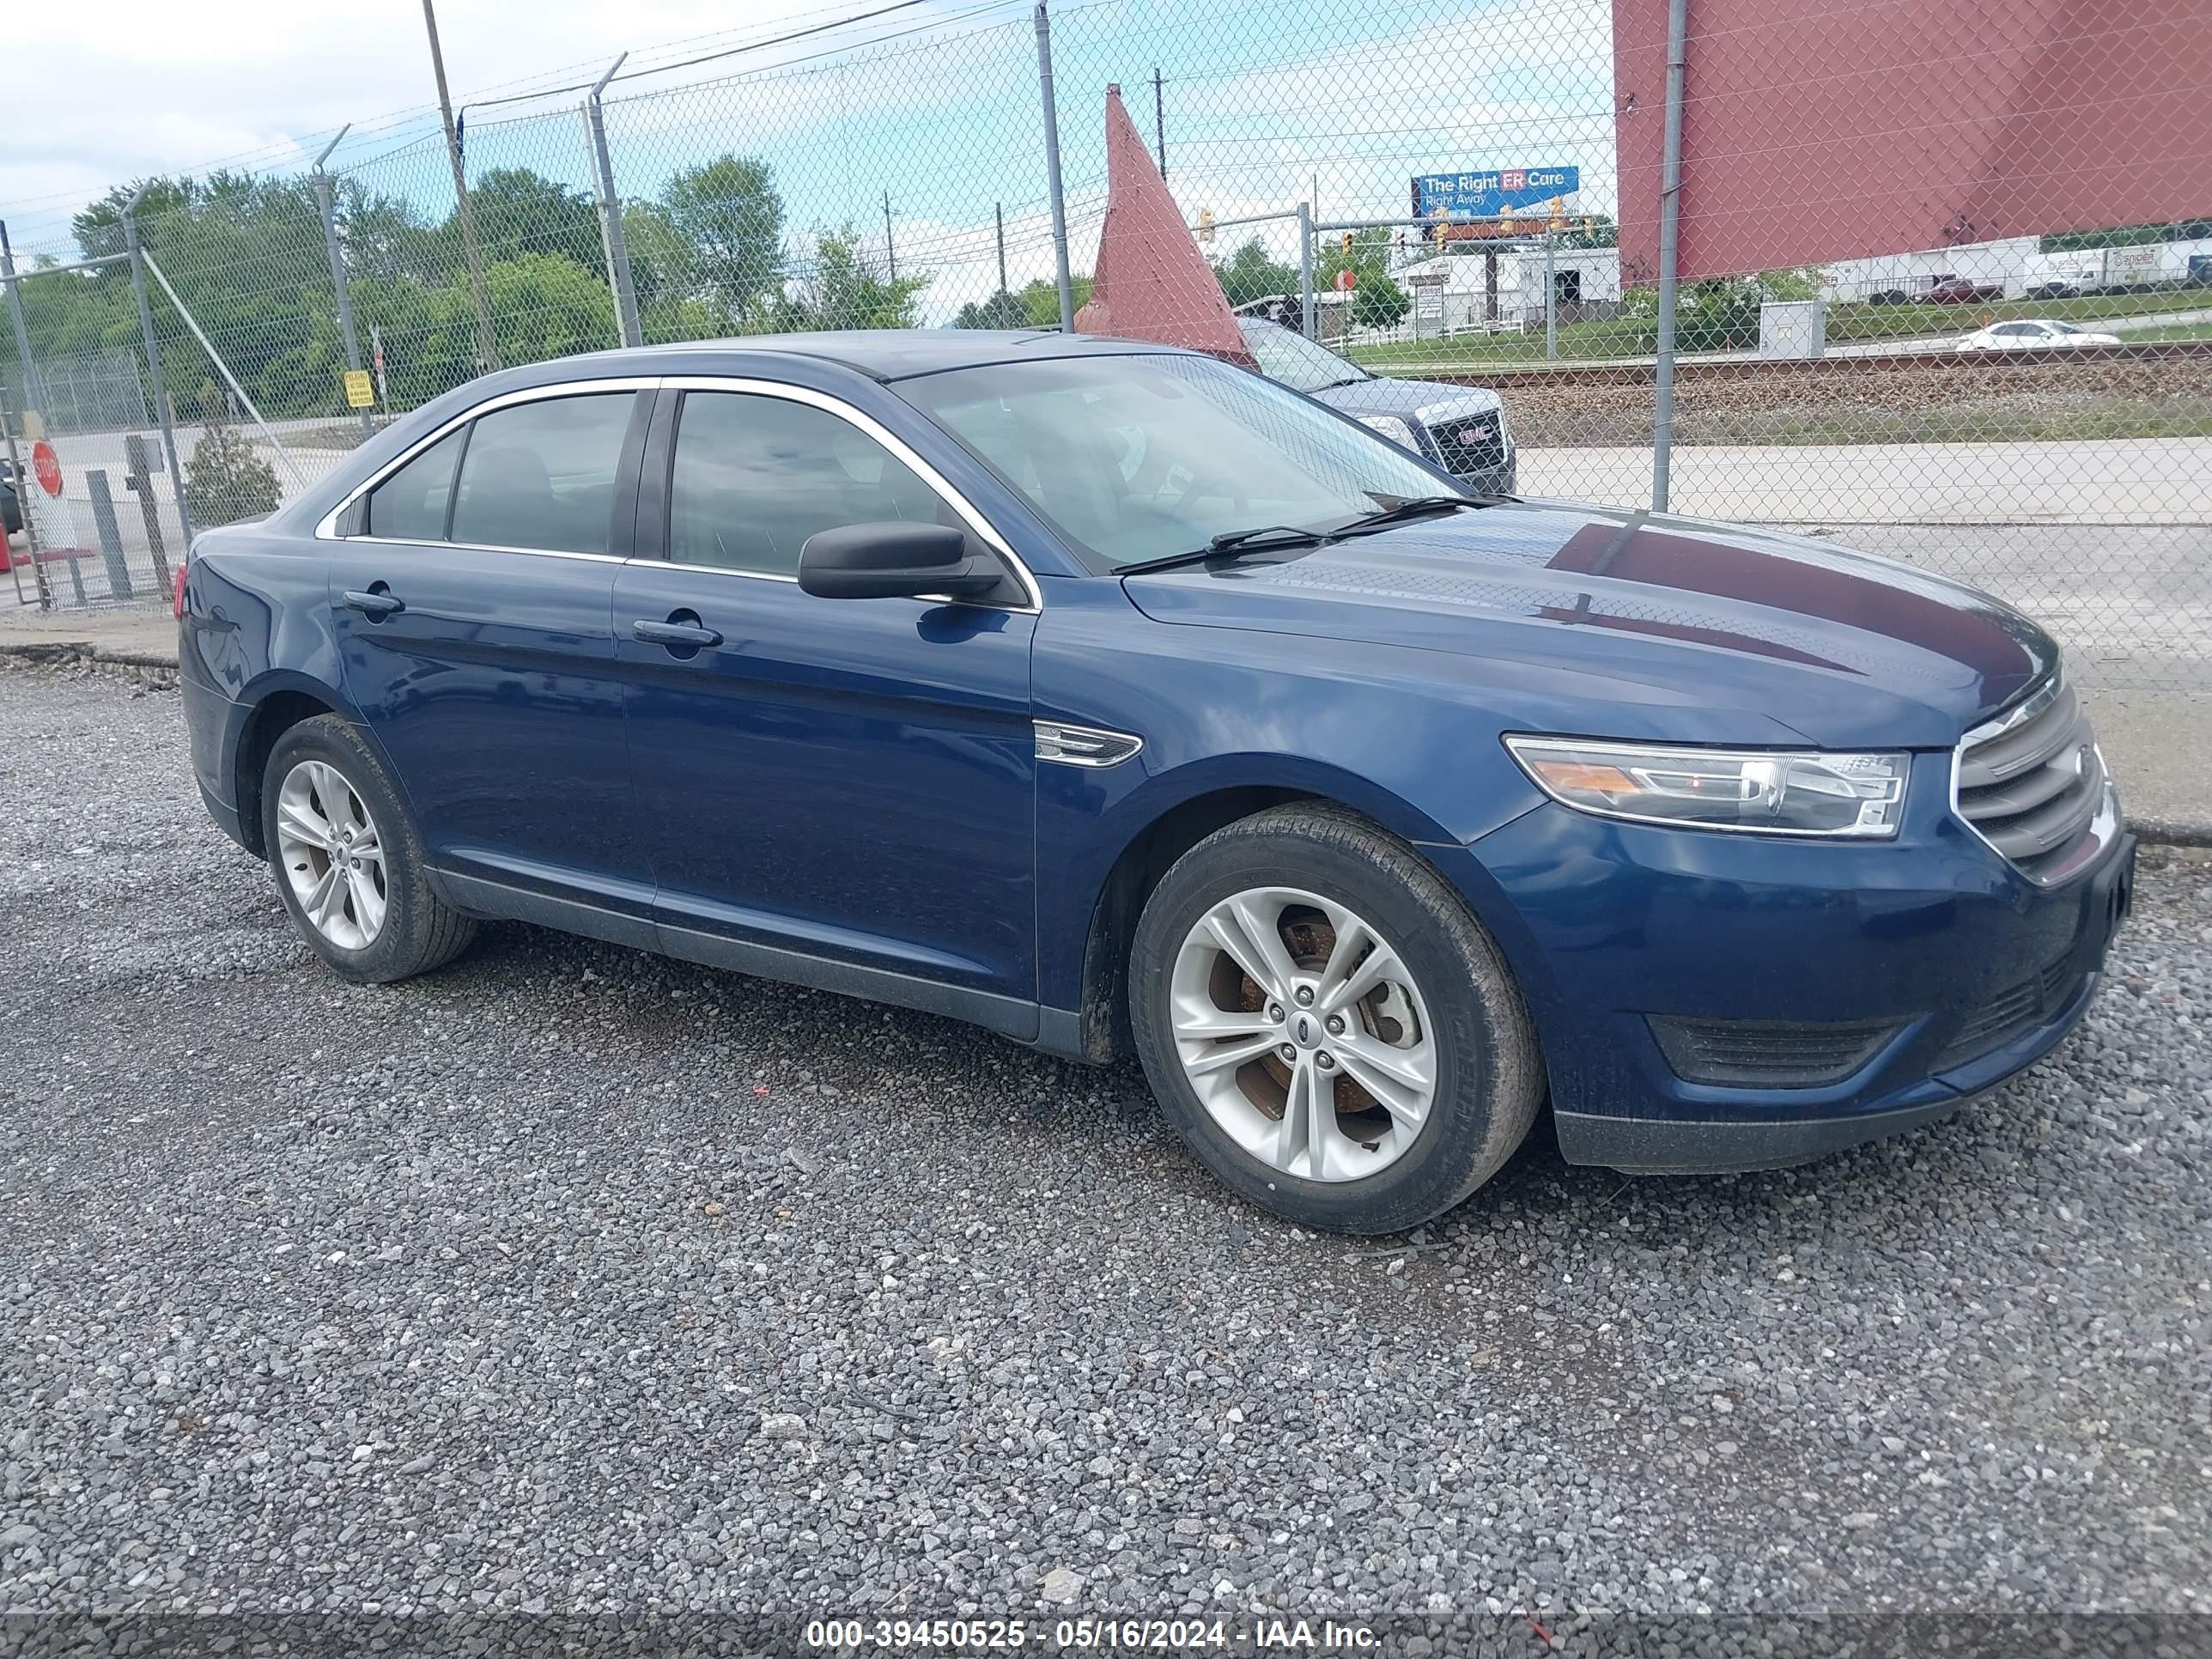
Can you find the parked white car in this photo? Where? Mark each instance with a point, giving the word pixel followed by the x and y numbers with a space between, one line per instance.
pixel 2033 337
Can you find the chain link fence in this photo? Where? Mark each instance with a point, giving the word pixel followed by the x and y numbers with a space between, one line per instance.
pixel 1936 286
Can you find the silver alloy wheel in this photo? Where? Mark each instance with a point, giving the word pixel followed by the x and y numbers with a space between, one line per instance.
pixel 331 853
pixel 1303 1033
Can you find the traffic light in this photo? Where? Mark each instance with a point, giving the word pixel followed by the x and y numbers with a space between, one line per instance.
pixel 1206 224
pixel 1347 245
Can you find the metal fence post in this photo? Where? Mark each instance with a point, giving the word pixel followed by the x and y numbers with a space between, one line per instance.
pixel 1550 298
pixel 1305 269
pixel 1670 215
pixel 154 371
pixel 610 225
pixel 1052 171
pixel 322 183
pixel 13 285
pixel 39 578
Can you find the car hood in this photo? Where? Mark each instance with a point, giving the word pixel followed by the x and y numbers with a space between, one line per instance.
pixel 1385 396
pixel 1603 623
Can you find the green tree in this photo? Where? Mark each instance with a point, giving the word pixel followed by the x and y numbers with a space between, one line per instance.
pixel 246 256
pixel 1248 273
pixel 1721 313
pixel 1040 298
pixel 1001 310
pixel 842 288
pixel 660 257
pixel 1377 300
pixel 519 211
pixel 730 218
pixel 385 237
pixel 1603 232
pixel 544 306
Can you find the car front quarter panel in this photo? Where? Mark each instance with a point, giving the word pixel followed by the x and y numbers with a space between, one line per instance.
pixel 1236 716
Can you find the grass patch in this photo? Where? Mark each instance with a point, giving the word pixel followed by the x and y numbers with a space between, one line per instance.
pixel 1632 337
pixel 2105 420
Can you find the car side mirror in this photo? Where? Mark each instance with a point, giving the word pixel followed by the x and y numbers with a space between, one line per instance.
pixel 894 561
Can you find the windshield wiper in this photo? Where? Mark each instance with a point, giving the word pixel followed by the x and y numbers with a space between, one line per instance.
pixel 1233 541
pixel 1414 507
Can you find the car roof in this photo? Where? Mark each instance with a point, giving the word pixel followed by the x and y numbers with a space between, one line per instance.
pixel 882 354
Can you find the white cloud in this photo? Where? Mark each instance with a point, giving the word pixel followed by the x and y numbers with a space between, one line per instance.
pixel 99 94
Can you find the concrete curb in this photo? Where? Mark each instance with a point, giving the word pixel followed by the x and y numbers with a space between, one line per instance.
pixel 149 670
pixel 157 670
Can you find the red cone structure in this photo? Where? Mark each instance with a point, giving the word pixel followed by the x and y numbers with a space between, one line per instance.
pixel 1152 283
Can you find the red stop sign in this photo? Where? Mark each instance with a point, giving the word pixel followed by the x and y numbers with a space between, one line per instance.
pixel 1346 280
pixel 48 467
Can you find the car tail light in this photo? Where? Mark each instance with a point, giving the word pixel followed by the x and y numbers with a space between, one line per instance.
pixel 177 592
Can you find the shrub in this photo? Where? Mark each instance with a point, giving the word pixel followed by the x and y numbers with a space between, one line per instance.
pixel 226 481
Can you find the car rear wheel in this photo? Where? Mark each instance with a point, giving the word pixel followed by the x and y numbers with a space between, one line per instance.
pixel 1325 1023
pixel 348 862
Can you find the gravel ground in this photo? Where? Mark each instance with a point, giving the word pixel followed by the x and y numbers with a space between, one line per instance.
pixel 573 1280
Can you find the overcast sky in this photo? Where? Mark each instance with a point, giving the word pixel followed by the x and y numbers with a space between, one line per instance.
pixel 96 94
pixel 1268 101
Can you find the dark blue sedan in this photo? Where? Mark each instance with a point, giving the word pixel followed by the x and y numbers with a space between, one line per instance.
pixel 1116 699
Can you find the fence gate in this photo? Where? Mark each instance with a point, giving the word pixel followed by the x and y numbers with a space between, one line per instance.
pixel 94 484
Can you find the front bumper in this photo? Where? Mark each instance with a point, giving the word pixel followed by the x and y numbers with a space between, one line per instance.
pixel 1608 925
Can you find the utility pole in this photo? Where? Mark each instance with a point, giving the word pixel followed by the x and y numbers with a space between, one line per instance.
pixel 487 349
pixel 325 206
pixel 1159 122
pixel 1051 180
pixel 999 213
pixel 890 250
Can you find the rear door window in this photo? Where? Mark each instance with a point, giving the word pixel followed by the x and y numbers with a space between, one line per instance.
pixel 542 475
pixel 411 505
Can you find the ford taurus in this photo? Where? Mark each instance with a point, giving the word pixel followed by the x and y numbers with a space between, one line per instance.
pixel 1116 699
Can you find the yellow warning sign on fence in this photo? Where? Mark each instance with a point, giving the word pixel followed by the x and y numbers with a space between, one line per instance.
pixel 360 391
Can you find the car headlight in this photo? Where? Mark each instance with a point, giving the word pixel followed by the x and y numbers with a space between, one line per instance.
pixel 1395 427
pixel 1802 792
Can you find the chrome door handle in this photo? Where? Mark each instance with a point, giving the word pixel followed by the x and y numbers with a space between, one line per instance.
pixel 375 604
pixel 674 634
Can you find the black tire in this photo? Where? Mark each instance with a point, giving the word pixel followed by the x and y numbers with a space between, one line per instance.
pixel 1490 1075
pixel 420 931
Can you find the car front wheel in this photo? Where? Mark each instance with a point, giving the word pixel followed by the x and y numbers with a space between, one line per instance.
pixel 1327 1025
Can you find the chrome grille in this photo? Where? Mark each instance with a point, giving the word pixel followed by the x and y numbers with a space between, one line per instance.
pixel 1470 443
pixel 2032 783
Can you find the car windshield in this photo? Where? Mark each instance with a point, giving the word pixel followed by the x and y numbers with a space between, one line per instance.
pixel 1139 457
pixel 1296 361
pixel 2062 328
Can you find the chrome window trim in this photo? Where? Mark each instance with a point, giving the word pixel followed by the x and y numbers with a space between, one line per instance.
pixel 486 547
pixel 326 526
pixel 899 448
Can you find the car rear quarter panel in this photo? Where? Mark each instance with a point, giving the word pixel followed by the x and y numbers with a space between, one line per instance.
pixel 257 622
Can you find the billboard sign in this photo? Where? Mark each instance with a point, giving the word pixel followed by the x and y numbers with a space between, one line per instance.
pixel 1486 195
